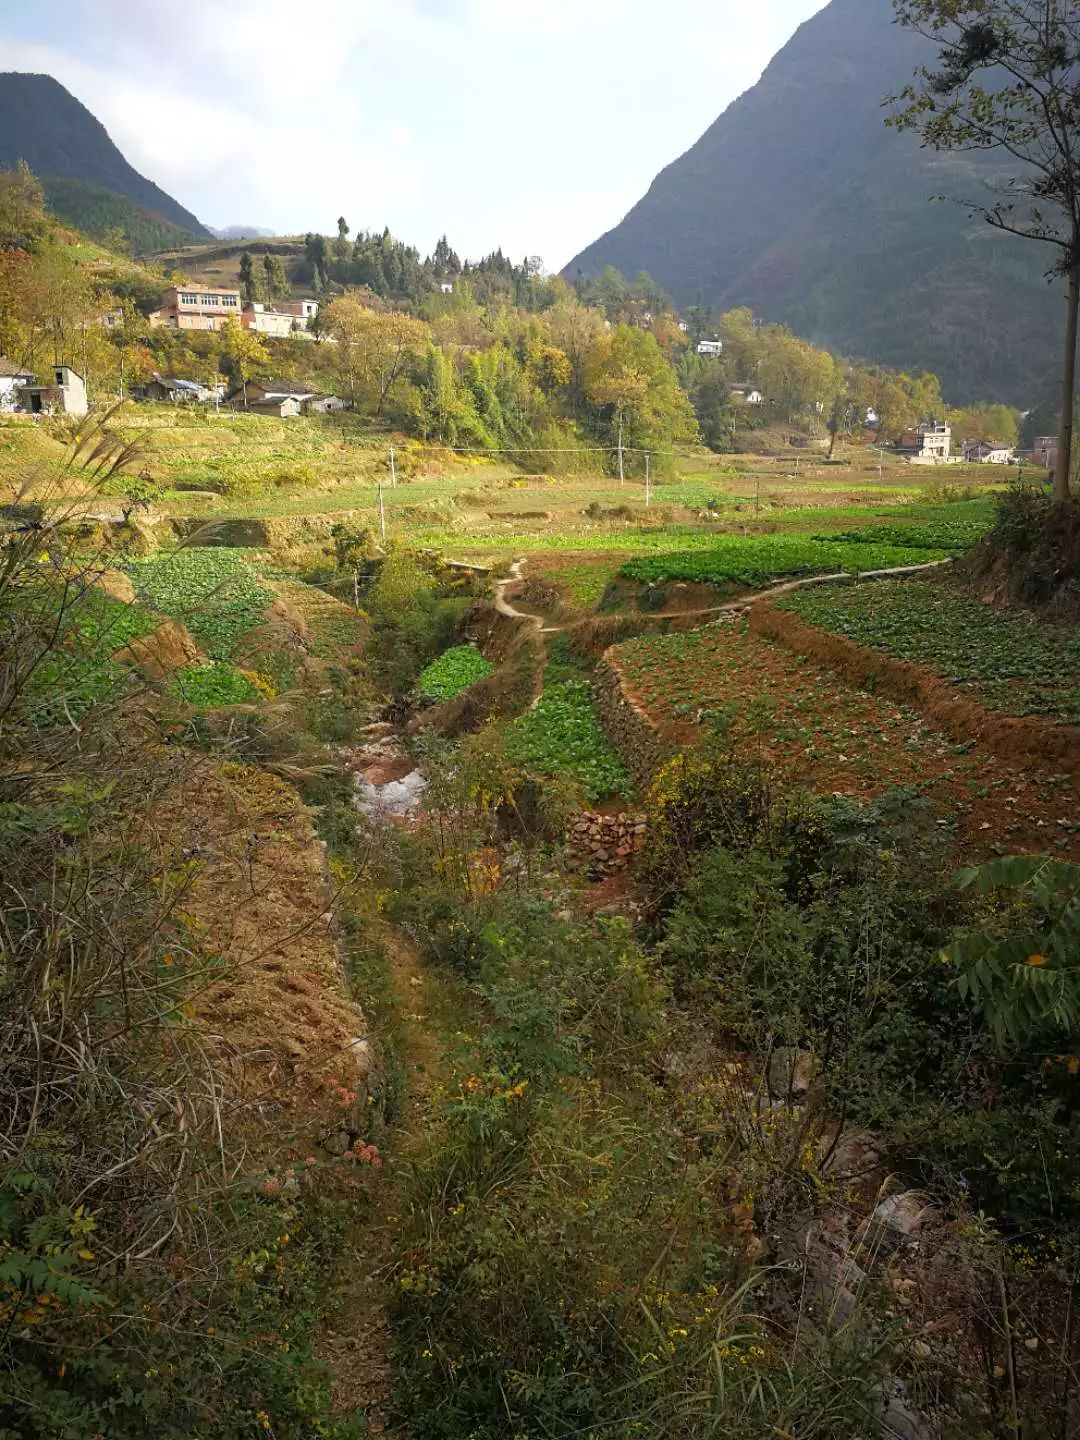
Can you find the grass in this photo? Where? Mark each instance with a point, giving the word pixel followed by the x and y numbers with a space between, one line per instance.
pixel 754 560
pixel 214 592
pixel 1009 661
pixel 453 672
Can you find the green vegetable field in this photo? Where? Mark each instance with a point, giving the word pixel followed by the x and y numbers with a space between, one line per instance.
pixel 1011 662
pixel 213 592
pixel 562 736
pixel 454 671
pixel 754 560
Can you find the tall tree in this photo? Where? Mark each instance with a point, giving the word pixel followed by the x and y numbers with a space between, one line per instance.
pixel 1007 80
pixel 248 283
pixel 373 350
pixel 22 206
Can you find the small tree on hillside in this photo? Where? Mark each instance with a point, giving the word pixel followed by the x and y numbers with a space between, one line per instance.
pixel 242 352
pixel 1007 80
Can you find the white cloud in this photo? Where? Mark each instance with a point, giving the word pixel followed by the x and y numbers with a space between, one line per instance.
pixel 534 126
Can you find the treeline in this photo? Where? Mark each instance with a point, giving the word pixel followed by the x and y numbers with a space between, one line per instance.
pixel 485 355
pixel 396 272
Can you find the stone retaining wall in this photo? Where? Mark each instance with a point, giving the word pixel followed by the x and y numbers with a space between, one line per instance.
pixel 642 747
pixel 606 844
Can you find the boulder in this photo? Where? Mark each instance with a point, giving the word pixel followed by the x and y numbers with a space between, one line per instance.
pixel 791 1072
pixel 901 1218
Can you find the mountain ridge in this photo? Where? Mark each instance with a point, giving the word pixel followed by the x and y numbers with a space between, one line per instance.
pixel 799 202
pixel 44 125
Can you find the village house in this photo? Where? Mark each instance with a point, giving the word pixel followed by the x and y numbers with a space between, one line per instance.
pixel 285 398
pixel 11 379
pixel 65 395
pixel 931 441
pixel 446 286
pixel 1045 451
pixel 196 307
pixel 266 320
pixel 747 395
pixel 302 311
pixel 176 392
pixel 988 452
pixel 709 347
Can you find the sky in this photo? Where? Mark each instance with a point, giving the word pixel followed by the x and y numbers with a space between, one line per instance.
pixel 531 126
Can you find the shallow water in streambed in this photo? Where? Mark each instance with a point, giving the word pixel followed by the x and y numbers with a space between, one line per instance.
pixel 388 784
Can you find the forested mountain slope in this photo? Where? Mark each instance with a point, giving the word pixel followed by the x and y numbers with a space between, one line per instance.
pixel 799 202
pixel 44 125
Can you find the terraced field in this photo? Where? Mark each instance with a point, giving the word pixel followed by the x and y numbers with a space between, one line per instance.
pixel 836 738
pixel 1008 661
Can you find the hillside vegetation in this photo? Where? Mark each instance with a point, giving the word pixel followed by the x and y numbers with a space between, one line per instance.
pixel 44 126
pixel 799 203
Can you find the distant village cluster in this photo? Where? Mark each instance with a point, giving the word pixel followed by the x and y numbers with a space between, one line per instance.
pixel 194 307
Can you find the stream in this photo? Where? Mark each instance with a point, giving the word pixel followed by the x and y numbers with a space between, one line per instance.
pixel 389 786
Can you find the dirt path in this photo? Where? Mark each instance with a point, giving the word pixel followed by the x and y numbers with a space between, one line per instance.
pixel 729 607
pixel 358 1341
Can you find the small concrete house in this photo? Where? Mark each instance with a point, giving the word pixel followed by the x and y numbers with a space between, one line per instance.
pixel 285 407
pixel 708 347
pixel 66 395
pixel 447 287
pixel 11 380
pixel 177 392
pixel 930 441
pixel 1045 450
pixel 268 320
pixel 988 452
pixel 747 394
pixel 323 405
pixel 285 398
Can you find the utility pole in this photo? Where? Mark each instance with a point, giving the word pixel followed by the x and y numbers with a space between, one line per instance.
pixel 622 473
pixel 648 478
pixel 121 376
pixel 393 467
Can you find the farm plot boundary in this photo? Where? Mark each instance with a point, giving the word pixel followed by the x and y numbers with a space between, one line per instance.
pixel 1018 738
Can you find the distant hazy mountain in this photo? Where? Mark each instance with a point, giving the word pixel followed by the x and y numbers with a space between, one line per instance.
pixel 41 123
pixel 799 202
pixel 241 232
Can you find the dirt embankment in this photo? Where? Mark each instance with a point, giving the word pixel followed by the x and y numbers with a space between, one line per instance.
pixel 277 1012
pixel 1012 737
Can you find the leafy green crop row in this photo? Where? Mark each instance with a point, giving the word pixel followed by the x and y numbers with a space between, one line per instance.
pixel 1013 662
pixel 754 560
pixel 454 671
pixel 212 591
pixel 78 674
pixel 205 687
pixel 955 535
pixel 563 736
